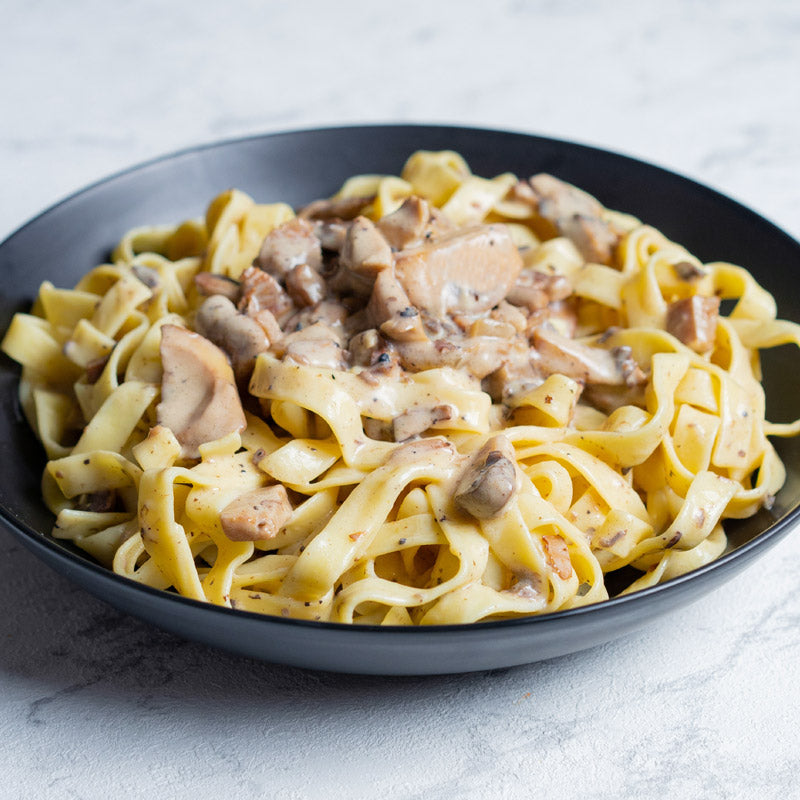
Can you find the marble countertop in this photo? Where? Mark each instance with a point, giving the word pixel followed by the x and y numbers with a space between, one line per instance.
pixel 702 704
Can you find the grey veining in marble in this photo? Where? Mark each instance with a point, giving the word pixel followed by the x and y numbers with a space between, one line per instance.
pixel 702 705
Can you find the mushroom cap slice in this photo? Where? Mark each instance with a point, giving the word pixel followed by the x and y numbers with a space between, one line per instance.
pixel 490 480
pixel 466 272
pixel 256 515
pixel 199 399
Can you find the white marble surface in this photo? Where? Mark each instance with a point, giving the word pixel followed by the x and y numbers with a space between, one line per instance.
pixel 703 704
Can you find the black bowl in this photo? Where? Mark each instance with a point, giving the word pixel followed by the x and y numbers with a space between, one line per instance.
pixel 73 236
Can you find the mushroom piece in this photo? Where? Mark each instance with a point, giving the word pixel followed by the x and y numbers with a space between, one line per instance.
pixel 406 225
pixel 305 285
pixel 101 501
pixel 693 321
pixel 147 275
pixel 390 310
pixel 689 271
pixel 535 290
pixel 335 208
pixel 316 345
pixel 365 251
pixel 199 400
pixel 331 233
pixel 556 353
pixel 209 283
pixel 417 420
pixel 489 481
pixel 241 337
pixel 257 515
pixel 261 291
pixel 292 243
pixel 466 272
pixel 575 214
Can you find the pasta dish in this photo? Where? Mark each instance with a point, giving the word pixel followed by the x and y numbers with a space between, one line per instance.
pixel 431 398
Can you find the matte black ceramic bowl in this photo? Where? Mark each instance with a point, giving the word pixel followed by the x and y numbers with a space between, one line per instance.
pixel 73 236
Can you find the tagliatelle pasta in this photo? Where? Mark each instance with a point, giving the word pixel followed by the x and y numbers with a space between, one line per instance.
pixel 433 398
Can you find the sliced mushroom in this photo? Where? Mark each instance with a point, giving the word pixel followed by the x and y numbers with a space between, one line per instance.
pixel 465 272
pixel 365 251
pixel 477 355
pixel 305 285
pixel 407 224
pixel 241 337
pixel 332 233
pixel 101 501
pixel 317 345
pixel 575 214
pixel 514 377
pixel 390 310
pixel 689 271
pixel 147 275
pixel 593 237
pixel 418 420
pixel 261 291
pixel 535 290
pixel 209 283
pixel 257 515
pixel 693 321
pixel 199 399
pixel 292 243
pixel 267 322
pixel 556 353
pixel 328 312
pixel 490 480
pixel 335 208
pixel 363 346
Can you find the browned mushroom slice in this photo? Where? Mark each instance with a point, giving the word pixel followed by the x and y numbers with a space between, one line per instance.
pixel 209 283
pixel 390 310
pixel 241 337
pixel 365 250
pixel 329 312
pixel 331 233
pixel 592 236
pixel 489 481
pixel 305 285
pixel 317 345
pixel 100 502
pixel 693 321
pixel 257 515
pixel 465 272
pixel 406 225
pixel 261 291
pixel 688 271
pixel 325 353
pixel 292 243
pixel 418 420
pixel 365 346
pixel 199 400
pixel 335 208
pixel 575 214
pixel 556 353
pixel 147 275
pixel 536 290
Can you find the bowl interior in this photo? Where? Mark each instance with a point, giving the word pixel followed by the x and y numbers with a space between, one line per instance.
pixel 73 236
